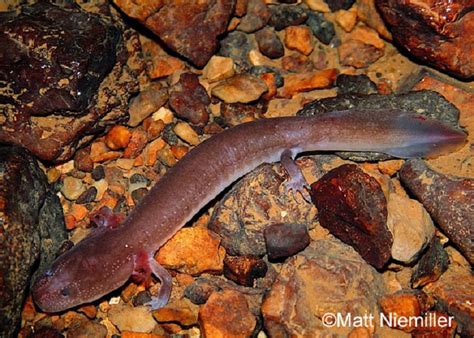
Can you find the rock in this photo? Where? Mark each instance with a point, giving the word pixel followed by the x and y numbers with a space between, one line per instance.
pixel 200 291
pixel 191 30
pixel 253 203
pixel 244 269
pixel 192 251
pixel 153 128
pixel 355 84
pixel 454 292
pixel 87 328
pixel 84 88
pixel 182 312
pixel 218 68
pixel 321 28
pixel 31 231
pixel 448 199
pixel 297 83
pixel 335 5
pixel 299 39
pixel 127 318
pixel 261 70
pixel 269 43
pixel 411 227
pixel 72 188
pixel 367 36
pixel 185 132
pixel 439 35
pixel 164 115
pixel 226 314
pixel 237 45
pixel 257 16
pixel 237 113
pixel 318 281
pixel 357 54
pixel 87 196
pixel 283 16
pixel 146 103
pixel 352 206
pixel 368 14
pixel 189 99
pixel 431 266
pixel 118 137
pixel 317 5
pixel 346 19
pixel 137 142
pixel 242 88
pixel 285 240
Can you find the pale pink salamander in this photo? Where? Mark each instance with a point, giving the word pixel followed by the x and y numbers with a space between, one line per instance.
pixel 104 261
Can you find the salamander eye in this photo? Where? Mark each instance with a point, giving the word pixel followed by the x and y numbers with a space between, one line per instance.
pixel 65 292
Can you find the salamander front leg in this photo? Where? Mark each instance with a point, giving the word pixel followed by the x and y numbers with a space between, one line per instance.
pixel 295 182
pixel 165 289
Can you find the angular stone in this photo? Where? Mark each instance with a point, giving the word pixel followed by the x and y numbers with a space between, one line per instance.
pixel 237 113
pixel 355 84
pixel 218 68
pixel 368 14
pixel 441 34
pixel 321 28
pixel 243 88
pixel 448 199
pixel 352 206
pixel 299 38
pixel 431 266
pixel 358 54
pixel 182 311
pixel 137 319
pixel 296 83
pixel 287 15
pixel 269 43
pixel 284 240
pixel 146 103
pixel 257 16
pixel 244 269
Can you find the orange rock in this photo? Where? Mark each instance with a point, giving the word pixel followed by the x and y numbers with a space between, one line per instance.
pixel 153 128
pixel 79 211
pixel 367 36
pixel 390 167
pixel 166 157
pixel 136 144
pixel 129 334
pixel 128 293
pixel 368 13
pixel 182 312
pixel 164 65
pixel 118 137
pixel 139 9
pixel 296 83
pixel 179 151
pixel 89 310
pixel 269 79
pixel 151 151
pixel 193 251
pixel 184 279
pixel 29 310
pixel 346 19
pixel 299 38
pixel 70 222
pixel 226 314
pixel 358 54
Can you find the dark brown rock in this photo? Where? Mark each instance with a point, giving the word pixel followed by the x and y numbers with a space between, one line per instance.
pixel 448 199
pixel 269 43
pixel 352 206
pixel 31 222
pixel 287 15
pixel 191 28
pixel 284 240
pixel 431 266
pixel 257 16
pixel 335 5
pixel 76 71
pixel 440 33
pixel 190 100
pixel 244 269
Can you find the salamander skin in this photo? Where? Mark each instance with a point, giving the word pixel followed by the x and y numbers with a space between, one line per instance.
pixel 104 261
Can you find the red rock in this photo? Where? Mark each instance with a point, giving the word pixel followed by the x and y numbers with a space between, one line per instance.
pixel 244 269
pixel 358 54
pixel 352 206
pixel 83 161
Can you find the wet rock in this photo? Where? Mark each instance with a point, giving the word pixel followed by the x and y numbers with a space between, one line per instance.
pixel 244 269
pixel 189 99
pixel 425 102
pixel 448 199
pixel 321 28
pixel 146 103
pixel 243 88
pixel 75 71
pixel 31 230
pixel 226 314
pixel 269 43
pixel 257 16
pixel 431 266
pixel 358 54
pixel 454 292
pixel 297 83
pixel 127 318
pixel 440 35
pixel 283 16
pixel 352 206
pixel 318 281
pixel 299 38
pixel 237 46
pixel 218 68
pixel 254 203
pixel 284 240
pixel 193 251
pixel 335 5
pixel 411 227
pixel 182 312
pixel 355 84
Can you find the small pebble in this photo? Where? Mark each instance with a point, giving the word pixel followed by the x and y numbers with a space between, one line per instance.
pixel 335 5
pixel 200 291
pixel 83 161
pixel 98 173
pixel 186 133
pixel 87 196
pixel 153 128
pixel 137 142
pixel 166 157
pixel 317 5
pixel 287 15
pixel 299 38
pixel 256 17
pixel 138 194
pixel 147 102
pixel 137 319
pixel 242 88
pixel 72 188
pixel 218 68
pixel 244 269
pixel 118 137
pixel 284 240
pixel 141 298
pixel 346 19
pixel 269 43
pixel 181 311
pixel 296 83
pixel 321 28
pixel 163 114
pixel 53 175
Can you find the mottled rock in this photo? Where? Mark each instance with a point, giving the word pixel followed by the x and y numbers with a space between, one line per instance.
pixel 352 206
pixel 118 137
pixel 218 68
pixel 355 84
pixel 335 5
pixel 287 15
pixel 193 251
pixel 244 269
pixel 269 43
pixel 358 54
pixel 317 5
pixel 261 70
pixel 237 45
pixel 87 196
pixel 297 63
pixel 297 83
pixel 431 266
pixel 411 227
pixel 327 277
pixel 284 240
pixel 76 71
pixel 321 28
pixel 440 34
pixel 257 16
pixel 137 319
pixel 299 38
pixel 31 230
pixel 237 113
pixel 241 88
pixel 146 103
pixel 182 312
pixel 72 188
pixel 448 199
pixel 185 132
pixel 226 314
pixel 189 99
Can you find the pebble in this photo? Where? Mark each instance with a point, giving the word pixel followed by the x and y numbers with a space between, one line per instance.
pixel 181 311
pixel 358 54
pixel 269 43
pixel 242 88
pixel 87 328
pixel 335 5
pixel 83 161
pixel 367 36
pixel 299 38
pixel 282 107
pixel 296 83
pixel 226 314
pixel 193 251
pixel 138 194
pixel 237 46
pixel 260 70
pixel 101 187
pixel 200 291
pixel 118 137
pixel 179 151
pixel 150 154
pixel 186 133
pixel 218 68
pixel 137 142
pixel 163 114
pixel 283 16
pixel 164 65
pixel 53 175
pixel 244 270
pixel 285 239
pixel 87 196
pixel 356 84
pixel 153 128
pixel 297 63
pixel 321 28
pixel 72 188
pixel 147 102
pixel 98 173
pixel 431 266
pixel 166 157
pixel 257 16
pixel 127 318
pixel 346 19
pixel 238 113
pixel 317 5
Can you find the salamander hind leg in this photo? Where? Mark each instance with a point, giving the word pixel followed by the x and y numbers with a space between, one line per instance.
pixel 165 288
pixel 296 181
